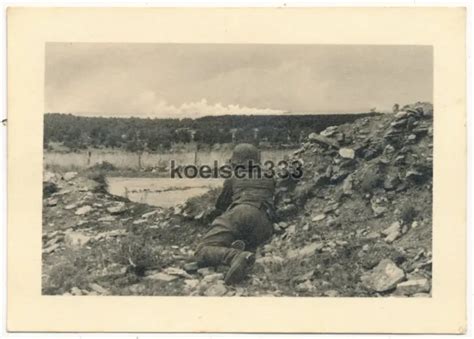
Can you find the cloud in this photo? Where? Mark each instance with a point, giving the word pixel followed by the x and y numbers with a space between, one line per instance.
pixel 151 105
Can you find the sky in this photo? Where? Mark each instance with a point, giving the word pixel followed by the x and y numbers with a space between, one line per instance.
pixel 192 80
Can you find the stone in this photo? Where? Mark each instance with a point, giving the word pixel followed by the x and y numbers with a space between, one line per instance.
pixel 270 260
pixel 52 202
pixel 329 131
pixel 149 214
pixel 83 210
pixel 413 286
pixel 413 175
pixel 51 249
pixel 378 210
pixel 76 239
pixel 331 293
pixel 117 209
pixel 316 138
pixel 99 289
pixel 76 291
pixel 107 218
pixel 69 176
pixel 384 277
pixel 319 217
pixel 394 227
pixel 347 185
pixel 391 182
pixel 160 276
pixel 306 251
pixel 217 290
pixel 191 284
pixel 331 207
pixel 210 278
pixel 392 237
pixel 191 267
pixel 347 153
pixel 176 271
pixel 206 271
pixel 400 115
pixel 70 206
pixel 306 286
pixel 139 221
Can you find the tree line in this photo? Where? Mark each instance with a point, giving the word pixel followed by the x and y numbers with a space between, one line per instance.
pixel 139 134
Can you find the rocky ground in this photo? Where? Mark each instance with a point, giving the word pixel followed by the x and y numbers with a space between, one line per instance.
pixel 359 223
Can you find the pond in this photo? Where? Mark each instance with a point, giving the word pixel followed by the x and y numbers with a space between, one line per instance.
pixel 161 192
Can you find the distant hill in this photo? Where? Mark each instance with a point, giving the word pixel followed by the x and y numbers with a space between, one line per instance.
pixel 136 134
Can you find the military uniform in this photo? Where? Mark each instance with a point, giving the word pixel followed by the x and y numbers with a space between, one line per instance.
pixel 248 208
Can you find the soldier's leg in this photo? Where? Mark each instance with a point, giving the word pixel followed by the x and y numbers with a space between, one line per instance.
pixel 215 248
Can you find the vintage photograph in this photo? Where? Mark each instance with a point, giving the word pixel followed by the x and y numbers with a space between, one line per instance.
pixel 237 170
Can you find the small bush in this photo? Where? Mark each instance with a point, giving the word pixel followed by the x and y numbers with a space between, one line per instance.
pixel 408 213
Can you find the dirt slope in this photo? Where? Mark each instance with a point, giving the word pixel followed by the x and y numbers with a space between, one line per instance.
pixel 357 224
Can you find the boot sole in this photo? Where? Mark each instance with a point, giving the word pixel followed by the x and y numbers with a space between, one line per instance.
pixel 238 273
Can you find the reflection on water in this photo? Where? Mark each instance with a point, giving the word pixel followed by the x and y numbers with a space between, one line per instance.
pixel 162 192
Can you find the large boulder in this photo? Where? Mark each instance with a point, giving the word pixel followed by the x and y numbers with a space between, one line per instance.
pixel 384 277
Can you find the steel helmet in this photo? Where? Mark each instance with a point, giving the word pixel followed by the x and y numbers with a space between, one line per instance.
pixel 243 153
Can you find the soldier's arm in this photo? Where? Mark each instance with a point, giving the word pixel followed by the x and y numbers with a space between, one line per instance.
pixel 225 198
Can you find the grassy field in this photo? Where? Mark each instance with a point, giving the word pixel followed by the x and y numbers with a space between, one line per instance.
pixel 123 160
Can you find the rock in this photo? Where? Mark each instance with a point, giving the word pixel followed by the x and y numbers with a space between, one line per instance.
pixel 270 260
pixel 347 153
pixel 331 293
pixel 385 276
pixel 347 185
pixel 206 271
pixel 391 182
pixel 319 217
pixel 306 286
pixel 49 188
pixel 52 202
pixel 378 210
pixel 331 207
pixel 107 218
pixel 76 239
pixel 117 209
pixel 394 227
pixel 210 278
pixel 306 251
pixel 70 207
pixel 304 277
pixel 372 235
pixel 316 138
pixel 69 176
pixel 191 267
pixel 139 221
pixel 149 214
pixel 217 290
pixel 191 284
pixel 176 271
pixel 392 237
pixel 413 175
pixel 83 210
pixel 400 115
pixel 329 131
pixel 51 248
pixel 413 286
pixel 160 276
pixel 99 289
pixel 76 291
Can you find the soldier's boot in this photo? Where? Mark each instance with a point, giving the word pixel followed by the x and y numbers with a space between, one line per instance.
pixel 216 255
pixel 239 267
